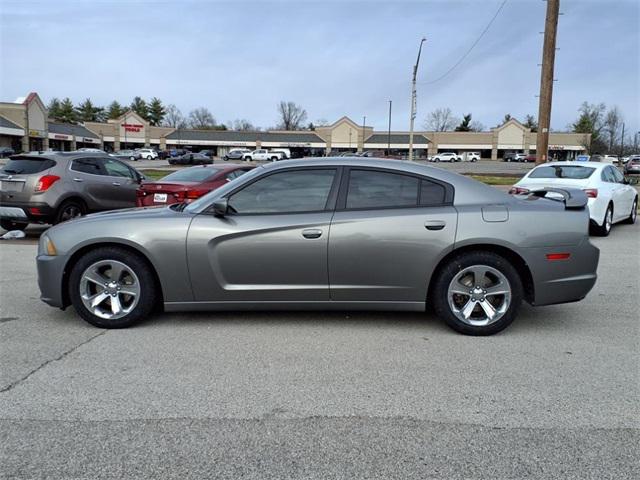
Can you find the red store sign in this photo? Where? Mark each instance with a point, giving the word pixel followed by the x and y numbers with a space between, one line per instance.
pixel 132 127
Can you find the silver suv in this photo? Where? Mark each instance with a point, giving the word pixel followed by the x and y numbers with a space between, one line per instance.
pixel 52 188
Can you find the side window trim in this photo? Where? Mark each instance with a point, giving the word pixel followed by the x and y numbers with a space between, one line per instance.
pixel 344 187
pixel 331 198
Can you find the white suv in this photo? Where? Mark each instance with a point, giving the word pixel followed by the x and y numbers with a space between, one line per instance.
pixel 147 153
pixel 446 157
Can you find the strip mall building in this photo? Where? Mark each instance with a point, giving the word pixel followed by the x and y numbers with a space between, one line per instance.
pixel 25 126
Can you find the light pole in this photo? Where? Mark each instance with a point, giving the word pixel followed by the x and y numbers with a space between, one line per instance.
pixel 389 131
pixel 413 100
pixel 364 122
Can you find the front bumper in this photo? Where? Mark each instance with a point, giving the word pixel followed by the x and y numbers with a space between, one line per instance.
pixel 50 279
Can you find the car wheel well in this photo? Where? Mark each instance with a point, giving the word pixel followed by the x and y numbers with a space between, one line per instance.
pixel 87 248
pixel 516 260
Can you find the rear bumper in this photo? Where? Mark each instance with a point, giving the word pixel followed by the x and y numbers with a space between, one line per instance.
pixel 50 276
pixel 26 212
pixel 563 281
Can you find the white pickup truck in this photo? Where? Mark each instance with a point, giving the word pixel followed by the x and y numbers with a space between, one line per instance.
pixel 262 154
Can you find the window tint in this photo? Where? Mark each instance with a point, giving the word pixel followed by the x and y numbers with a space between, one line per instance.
pixel 574 172
pixel 607 175
pixel 27 165
pixel 116 169
pixel 87 165
pixel 431 193
pixel 294 191
pixel 371 189
pixel 196 174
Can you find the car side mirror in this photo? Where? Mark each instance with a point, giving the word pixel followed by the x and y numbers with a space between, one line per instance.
pixel 220 207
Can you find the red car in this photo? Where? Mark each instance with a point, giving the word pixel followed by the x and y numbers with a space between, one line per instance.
pixel 187 184
pixel 530 159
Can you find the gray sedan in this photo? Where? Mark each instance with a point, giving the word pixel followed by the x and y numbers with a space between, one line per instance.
pixel 333 233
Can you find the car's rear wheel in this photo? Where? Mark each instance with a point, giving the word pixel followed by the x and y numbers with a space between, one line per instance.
pixel 477 293
pixel 604 229
pixel 13 225
pixel 631 219
pixel 112 288
pixel 69 210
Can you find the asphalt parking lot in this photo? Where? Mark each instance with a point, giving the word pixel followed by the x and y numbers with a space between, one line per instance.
pixel 322 395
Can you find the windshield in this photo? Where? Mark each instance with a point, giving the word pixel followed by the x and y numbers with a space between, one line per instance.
pixel 197 174
pixel 27 165
pixel 204 201
pixel 562 171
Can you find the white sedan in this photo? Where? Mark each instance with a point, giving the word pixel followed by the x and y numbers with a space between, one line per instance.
pixel 611 199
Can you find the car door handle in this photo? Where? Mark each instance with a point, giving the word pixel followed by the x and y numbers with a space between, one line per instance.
pixel 312 233
pixel 78 180
pixel 115 184
pixel 434 224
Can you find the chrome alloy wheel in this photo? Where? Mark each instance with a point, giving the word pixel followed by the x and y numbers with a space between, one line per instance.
pixel 70 212
pixel 608 219
pixel 479 295
pixel 109 289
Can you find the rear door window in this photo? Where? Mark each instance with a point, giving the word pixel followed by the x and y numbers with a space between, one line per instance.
pixel 91 166
pixel 27 165
pixel 375 189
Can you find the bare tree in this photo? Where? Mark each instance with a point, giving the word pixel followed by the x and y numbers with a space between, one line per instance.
pixel 612 124
pixel 440 120
pixel 292 116
pixel 174 118
pixel 201 119
pixel 476 126
pixel 242 124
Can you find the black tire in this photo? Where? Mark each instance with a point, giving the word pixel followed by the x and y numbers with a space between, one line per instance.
pixel 9 225
pixel 454 266
pixel 274 159
pixel 604 229
pixel 634 212
pixel 68 210
pixel 137 264
pixel 225 158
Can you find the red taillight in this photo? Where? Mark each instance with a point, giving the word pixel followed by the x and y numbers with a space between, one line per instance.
pixel 591 192
pixel 45 182
pixel 193 194
pixel 557 256
pixel 518 191
pixel 35 211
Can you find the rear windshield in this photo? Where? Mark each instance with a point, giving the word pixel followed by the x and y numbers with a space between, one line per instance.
pixel 562 171
pixel 27 165
pixel 197 174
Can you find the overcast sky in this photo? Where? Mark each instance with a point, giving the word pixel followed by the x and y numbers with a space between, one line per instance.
pixel 239 59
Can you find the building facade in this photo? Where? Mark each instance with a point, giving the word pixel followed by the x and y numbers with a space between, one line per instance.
pixel 25 126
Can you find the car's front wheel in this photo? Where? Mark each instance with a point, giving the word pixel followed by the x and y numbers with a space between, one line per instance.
pixel 112 288
pixel 477 293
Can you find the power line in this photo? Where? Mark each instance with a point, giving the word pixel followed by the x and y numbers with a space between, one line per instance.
pixel 470 48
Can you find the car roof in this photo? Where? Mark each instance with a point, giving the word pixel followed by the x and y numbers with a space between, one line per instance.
pixel 60 155
pixel 595 165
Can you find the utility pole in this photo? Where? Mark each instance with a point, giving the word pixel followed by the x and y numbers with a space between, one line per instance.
pixel 546 80
pixel 364 122
pixel 621 145
pixel 389 131
pixel 414 100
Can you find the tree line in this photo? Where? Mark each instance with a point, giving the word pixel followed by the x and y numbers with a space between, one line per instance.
pixel 291 116
pixel 443 120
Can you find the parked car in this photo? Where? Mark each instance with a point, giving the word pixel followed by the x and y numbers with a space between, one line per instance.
pixel 126 155
pixel 53 188
pixel 611 199
pixel 530 159
pixel 177 152
pixel 188 184
pixel 603 158
pixel 633 165
pixel 261 154
pixel 514 157
pixel 147 153
pixel 208 153
pixel 445 157
pixel 6 152
pixel 236 154
pixel 191 159
pixel 331 233
pixel 90 150
pixel 286 153
pixel 470 157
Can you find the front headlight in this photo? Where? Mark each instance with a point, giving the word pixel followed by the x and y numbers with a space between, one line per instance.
pixel 46 246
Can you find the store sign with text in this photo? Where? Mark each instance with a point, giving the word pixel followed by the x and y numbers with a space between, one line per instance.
pixel 133 127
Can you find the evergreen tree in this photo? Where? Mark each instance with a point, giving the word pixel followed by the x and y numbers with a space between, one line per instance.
pixel 54 108
pixel 156 111
pixel 465 124
pixel 114 110
pixel 530 122
pixel 67 112
pixel 140 107
pixel 88 112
